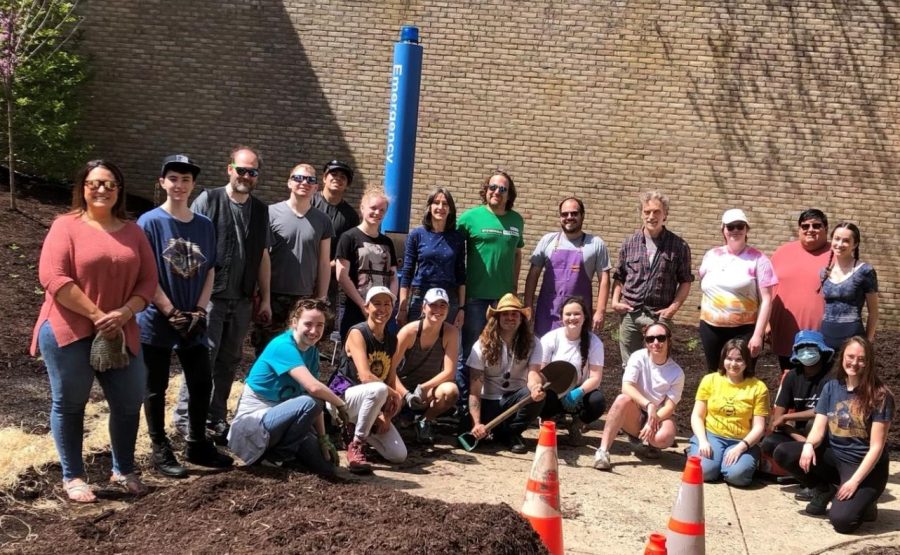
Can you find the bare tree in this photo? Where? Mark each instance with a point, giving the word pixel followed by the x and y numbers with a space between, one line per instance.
pixel 27 28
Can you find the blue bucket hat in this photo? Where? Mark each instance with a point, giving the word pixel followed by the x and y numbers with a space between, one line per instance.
pixel 814 338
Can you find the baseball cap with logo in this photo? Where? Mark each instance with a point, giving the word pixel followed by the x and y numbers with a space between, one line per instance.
pixel 436 294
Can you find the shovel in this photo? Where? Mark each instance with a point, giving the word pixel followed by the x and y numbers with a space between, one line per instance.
pixel 559 376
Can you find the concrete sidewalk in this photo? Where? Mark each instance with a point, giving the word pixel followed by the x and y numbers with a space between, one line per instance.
pixel 615 512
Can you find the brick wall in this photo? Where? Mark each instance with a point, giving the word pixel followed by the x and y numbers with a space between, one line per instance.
pixel 765 105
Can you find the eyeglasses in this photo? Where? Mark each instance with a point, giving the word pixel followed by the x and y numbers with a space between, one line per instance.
pixel 500 188
pixel 648 339
pixel 241 171
pixel 297 178
pixel 506 376
pixel 816 226
pixel 569 214
pixel 740 226
pixel 108 184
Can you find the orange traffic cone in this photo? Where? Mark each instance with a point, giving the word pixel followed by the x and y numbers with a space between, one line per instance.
pixel 541 506
pixel 687 531
pixel 656 545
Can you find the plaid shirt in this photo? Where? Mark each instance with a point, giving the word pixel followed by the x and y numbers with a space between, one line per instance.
pixel 653 286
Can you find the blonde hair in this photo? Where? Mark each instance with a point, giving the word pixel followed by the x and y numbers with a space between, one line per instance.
pixel 373 192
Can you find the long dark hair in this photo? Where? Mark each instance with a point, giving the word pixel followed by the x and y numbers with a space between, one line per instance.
pixel 871 391
pixel 584 342
pixel 451 212
pixel 79 204
pixel 856 237
pixel 510 199
pixel 744 349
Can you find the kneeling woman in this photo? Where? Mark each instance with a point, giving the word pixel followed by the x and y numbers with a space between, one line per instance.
pixel 729 418
pixel 279 417
pixel 371 403
pixel 575 343
pixel 844 457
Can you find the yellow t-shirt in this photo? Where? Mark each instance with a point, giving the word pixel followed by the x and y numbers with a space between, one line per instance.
pixel 730 407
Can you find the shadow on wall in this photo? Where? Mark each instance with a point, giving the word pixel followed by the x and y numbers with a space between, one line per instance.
pixel 200 77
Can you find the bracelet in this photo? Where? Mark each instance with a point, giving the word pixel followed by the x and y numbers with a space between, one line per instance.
pixel 746 444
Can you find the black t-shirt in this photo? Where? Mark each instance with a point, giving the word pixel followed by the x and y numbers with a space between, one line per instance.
pixel 378 353
pixel 799 392
pixel 371 259
pixel 343 218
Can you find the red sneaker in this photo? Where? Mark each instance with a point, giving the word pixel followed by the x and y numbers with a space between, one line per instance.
pixel 356 457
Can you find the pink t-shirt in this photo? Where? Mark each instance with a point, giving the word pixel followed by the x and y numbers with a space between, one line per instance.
pixel 797 304
pixel 110 267
pixel 731 284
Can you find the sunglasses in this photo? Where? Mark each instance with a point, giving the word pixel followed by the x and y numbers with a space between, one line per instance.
pixel 94 184
pixel 569 214
pixel 241 171
pixel 740 226
pixel 500 188
pixel 297 178
pixel 816 226
pixel 648 339
pixel 506 379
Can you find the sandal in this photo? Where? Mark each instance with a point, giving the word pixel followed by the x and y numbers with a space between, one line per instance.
pixel 79 491
pixel 130 483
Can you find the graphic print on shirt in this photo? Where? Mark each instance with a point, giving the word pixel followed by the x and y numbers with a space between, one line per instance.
pixel 844 423
pixel 379 364
pixel 183 257
pixel 374 267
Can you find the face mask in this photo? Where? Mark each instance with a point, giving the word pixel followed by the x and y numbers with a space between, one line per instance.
pixel 808 356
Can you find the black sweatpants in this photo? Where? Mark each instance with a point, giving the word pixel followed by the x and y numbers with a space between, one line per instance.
pixel 713 338
pixel 198 377
pixel 592 406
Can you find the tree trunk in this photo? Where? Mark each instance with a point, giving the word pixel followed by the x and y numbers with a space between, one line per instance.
pixel 9 136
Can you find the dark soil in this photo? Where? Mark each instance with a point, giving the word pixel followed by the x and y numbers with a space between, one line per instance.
pixel 240 511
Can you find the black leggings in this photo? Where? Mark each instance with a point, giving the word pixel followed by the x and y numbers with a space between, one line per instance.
pixel 195 364
pixel 593 406
pixel 714 338
pixel 846 515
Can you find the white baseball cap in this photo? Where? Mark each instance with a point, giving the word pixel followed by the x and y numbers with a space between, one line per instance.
pixel 734 215
pixel 436 294
pixel 380 290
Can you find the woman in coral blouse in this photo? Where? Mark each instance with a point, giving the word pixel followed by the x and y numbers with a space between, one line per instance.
pixel 98 271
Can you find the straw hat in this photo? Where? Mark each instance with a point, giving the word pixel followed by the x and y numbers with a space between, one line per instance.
pixel 509 303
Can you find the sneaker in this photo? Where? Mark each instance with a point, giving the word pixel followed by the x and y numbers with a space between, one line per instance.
pixel 217 432
pixel 819 504
pixel 424 432
pixel 576 437
pixel 805 494
pixel 516 445
pixel 356 457
pixel 163 460
pixel 870 514
pixel 601 460
pixel 204 453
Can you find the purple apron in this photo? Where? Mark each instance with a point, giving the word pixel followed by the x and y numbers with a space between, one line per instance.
pixel 563 277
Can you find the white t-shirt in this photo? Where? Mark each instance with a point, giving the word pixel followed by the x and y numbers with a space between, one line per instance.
pixel 655 382
pixel 509 371
pixel 555 346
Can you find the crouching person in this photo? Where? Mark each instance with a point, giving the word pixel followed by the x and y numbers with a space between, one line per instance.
pixel 504 369
pixel 365 368
pixel 279 417
pixel 651 388
pixel 424 364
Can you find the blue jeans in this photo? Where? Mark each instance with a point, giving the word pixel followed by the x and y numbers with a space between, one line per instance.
pixel 739 474
pixel 71 378
pixel 291 435
pixel 227 328
pixel 475 320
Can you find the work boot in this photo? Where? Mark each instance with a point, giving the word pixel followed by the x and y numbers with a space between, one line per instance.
pixel 516 445
pixel 424 431
pixel 163 459
pixel 356 457
pixel 217 432
pixel 805 494
pixel 576 437
pixel 819 504
pixel 204 453
pixel 601 460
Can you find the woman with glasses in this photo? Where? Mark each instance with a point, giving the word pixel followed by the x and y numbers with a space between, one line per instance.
pixel 504 368
pixel 365 259
pixel 574 342
pixel 435 257
pixel 651 389
pixel 279 417
pixel 848 285
pixel 729 418
pixel 736 280
pixel 844 458
pixel 97 270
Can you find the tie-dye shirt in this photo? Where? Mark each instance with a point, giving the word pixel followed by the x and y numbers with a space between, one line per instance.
pixel 731 284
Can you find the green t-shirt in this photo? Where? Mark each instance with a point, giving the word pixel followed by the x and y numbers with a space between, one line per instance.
pixel 491 243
